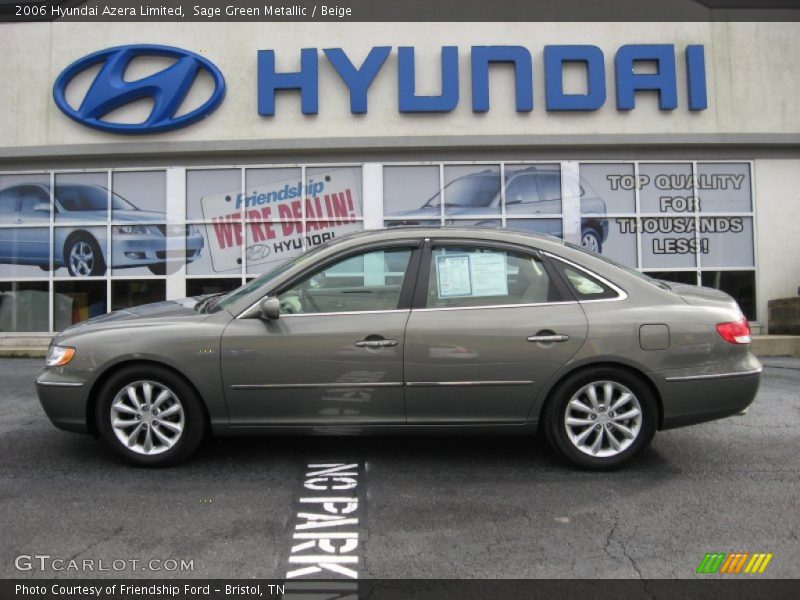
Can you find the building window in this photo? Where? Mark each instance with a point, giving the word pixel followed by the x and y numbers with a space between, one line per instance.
pixel 76 244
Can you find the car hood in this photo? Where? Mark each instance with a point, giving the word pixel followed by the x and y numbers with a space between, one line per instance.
pixel 158 312
pixel 139 215
pixel 82 215
pixel 124 216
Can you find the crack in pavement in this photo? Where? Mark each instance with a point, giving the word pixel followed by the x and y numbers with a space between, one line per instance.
pixel 91 545
pixel 624 549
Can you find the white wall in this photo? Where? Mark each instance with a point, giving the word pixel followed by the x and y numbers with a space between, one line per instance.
pixel 777 184
pixel 751 75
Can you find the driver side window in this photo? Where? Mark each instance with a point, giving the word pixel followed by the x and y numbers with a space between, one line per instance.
pixel 363 282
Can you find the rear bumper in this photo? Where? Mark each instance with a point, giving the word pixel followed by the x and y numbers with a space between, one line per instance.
pixel 697 398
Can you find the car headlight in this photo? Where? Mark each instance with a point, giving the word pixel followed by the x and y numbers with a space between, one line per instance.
pixel 58 356
pixel 129 229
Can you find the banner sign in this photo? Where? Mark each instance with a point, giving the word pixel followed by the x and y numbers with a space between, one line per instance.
pixel 282 219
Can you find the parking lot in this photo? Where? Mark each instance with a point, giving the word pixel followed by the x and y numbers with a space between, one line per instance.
pixel 431 507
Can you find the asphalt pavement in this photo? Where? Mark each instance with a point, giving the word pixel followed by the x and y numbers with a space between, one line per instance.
pixel 431 507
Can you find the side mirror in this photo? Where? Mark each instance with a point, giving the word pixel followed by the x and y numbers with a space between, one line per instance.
pixel 270 308
pixel 42 207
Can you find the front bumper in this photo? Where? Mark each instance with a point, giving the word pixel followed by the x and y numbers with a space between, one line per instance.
pixel 64 400
pixel 149 249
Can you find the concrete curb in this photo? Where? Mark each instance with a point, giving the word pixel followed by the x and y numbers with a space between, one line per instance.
pixel 777 345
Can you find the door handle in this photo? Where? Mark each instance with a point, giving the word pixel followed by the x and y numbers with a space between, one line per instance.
pixel 376 344
pixel 548 338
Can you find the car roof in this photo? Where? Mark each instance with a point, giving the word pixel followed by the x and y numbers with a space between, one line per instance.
pixel 449 232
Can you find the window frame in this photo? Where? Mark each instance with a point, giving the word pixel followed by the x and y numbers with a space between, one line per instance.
pixel 554 259
pixel 406 291
pixel 424 272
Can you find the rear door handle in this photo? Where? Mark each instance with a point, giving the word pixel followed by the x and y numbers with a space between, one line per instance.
pixel 376 343
pixel 548 338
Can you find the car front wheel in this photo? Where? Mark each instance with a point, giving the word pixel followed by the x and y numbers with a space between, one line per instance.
pixel 83 256
pixel 150 416
pixel 601 418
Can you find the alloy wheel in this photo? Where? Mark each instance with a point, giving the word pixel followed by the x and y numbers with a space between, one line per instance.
pixel 81 258
pixel 590 242
pixel 147 417
pixel 603 419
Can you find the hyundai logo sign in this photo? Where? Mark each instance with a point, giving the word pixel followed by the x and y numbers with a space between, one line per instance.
pixel 167 88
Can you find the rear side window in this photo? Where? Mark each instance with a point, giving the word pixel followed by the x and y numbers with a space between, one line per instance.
pixel 585 286
pixel 522 190
pixel 463 276
pixel 550 187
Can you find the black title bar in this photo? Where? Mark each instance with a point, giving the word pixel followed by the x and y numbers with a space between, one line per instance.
pixel 709 587
pixel 399 10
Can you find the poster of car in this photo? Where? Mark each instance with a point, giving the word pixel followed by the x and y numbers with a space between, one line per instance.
pixel 283 218
pixel 69 233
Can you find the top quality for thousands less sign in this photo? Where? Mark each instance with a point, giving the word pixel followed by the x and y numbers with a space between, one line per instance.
pixel 330 203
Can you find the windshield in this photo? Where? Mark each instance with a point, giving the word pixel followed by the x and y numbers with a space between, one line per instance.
pixel 239 293
pixel 76 198
pixel 471 191
pixel 630 270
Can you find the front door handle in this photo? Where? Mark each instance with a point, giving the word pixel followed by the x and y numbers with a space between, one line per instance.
pixel 548 338
pixel 373 343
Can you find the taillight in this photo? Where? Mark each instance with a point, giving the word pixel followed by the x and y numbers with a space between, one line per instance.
pixel 735 332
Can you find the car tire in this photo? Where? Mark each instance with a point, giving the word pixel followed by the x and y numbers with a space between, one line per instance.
pixel 83 257
pixel 45 268
pixel 158 268
pixel 174 422
pixel 623 434
pixel 591 240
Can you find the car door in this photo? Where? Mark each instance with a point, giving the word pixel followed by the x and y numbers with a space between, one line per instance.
pixel 491 324
pixel 335 354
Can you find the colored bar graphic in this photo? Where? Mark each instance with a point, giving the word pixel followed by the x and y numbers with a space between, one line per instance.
pixel 734 563
pixel 758 563
pixel 711 562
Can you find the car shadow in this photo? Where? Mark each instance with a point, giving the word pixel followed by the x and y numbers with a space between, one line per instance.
pixel 426 452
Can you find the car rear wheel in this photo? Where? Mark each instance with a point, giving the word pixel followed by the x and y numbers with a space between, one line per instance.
pixel 83 256
pixel 601 418
pixel 591 240
pixel 150 416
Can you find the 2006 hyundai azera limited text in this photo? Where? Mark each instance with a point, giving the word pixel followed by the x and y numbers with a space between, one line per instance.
pixel 412 329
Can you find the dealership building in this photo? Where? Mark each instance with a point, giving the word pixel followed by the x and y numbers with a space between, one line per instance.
pixel 150 161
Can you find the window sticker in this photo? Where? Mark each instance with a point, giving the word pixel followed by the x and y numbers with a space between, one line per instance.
pixel 474 275
pixel 489 275
pixel 453 275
